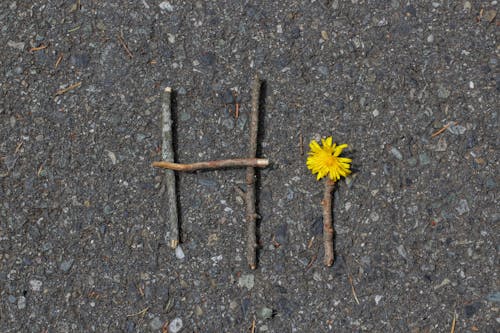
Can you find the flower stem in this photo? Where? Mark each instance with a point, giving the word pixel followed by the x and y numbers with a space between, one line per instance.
pixel 328 230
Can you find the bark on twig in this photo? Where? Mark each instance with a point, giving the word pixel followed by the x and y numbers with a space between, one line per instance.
pixel 167 154
pixel 231 163
pixel 328 230
pixel 251 215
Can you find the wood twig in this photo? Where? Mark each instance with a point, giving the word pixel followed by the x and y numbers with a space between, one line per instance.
pixel 442 129
pixel 38 48
pixel 167 154
pixel 328 230
pixel 219 164
pixel 301 144
pixel 140 313
pixel 59 59
pixel 252 328
pixel 124 45
pixel 251 215
pixel 454 322
pixel 71 87
pixel 353 290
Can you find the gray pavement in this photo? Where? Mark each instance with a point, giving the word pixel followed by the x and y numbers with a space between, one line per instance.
pixel 82 212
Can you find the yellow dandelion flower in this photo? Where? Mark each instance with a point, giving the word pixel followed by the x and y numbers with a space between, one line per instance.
pixel 325 159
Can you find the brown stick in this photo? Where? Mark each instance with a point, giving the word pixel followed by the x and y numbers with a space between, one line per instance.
pixel 122 41
pixel 251 216
pixel 328 222
pixel 444 128
pixel 167 153
pixel 231 163
pixel 71 87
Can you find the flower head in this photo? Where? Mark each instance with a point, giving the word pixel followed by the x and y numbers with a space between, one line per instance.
pixel 325 160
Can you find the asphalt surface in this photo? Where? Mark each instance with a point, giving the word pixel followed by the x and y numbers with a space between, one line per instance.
pixel 82 211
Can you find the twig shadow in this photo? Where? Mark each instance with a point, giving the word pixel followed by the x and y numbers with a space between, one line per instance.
pixel 260 137
pixel 173 111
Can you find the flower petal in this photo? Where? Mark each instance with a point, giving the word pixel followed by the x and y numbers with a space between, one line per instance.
pixel 315 147
pixel 324 160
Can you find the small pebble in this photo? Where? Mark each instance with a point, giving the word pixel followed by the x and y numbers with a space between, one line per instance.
pixel 424 159
pixel 175 325
pixel 490 183
pixel 216 259
pixel 442 92
pixel 245 305
pixel 412 161
pixel 111 156
pixel 165 5
pixel 323 70
pixel 16 45
pixel 396 153
pixel 456 129
pixel 490 15
pixel 247 281
pixel 281 234
pixel 471 309
pixel 233 305
pixel 316 228
pixel 155 324
pixel 362 101
pixel 339 105
pixel 228 123
pixel 402 251
pixel 12 299
pixel 79 60
pixel 493 297
pixel 140 137
pixel 265 313
pixel 443 283
pixel 242 121
pixel 376 113
pixel 66 265
pixel 378 298
pixel 441 145
pixel 374 216
pixel 207 182
pixel 107 210
pixel 463 207
pixel 207 58
pixel 471 85
pixel 228 96
pixel 198 310
pixel 179 253
pixel 35 285
pixel 130 326
pixel 430 38
pixel 21 302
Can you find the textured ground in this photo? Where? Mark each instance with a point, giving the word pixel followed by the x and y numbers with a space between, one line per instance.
pixel 82 211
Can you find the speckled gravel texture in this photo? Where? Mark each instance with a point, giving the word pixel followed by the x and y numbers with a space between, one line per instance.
pixel 82 212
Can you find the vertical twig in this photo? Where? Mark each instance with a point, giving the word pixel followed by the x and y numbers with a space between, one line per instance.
pixel 250 177
pixel 167 154
pixel 328 222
